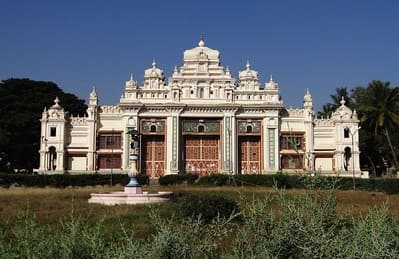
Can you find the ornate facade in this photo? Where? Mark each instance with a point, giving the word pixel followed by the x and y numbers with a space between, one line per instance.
pixel 202 120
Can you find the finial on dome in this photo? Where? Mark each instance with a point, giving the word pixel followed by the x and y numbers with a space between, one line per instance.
pixel 271 78
pixel 201 43
pixel 93 92
pixel 307 91
pixel 131 77
pixel 154 64
pixel 248 66
pixel 57 101
pixel 342 102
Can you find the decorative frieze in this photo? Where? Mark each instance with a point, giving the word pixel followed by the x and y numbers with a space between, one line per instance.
pixel 201 126
pixel 249 127
pixel 152 126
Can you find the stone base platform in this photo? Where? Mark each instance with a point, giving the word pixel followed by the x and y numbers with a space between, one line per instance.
pixel 131 195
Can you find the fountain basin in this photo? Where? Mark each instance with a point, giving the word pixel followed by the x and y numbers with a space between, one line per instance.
pixel 131 195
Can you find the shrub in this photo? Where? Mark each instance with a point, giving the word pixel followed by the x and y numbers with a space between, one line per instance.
pixel 215 179
pixel 64 180
pixel 207 207
pixel 173 179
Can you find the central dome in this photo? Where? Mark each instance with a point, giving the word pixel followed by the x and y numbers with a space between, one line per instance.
pixel 201 52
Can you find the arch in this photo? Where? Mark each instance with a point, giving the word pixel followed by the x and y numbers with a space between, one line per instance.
pixel 153 128
pixel 249 128
pixel 347 157
pixel 201 128
pixel 52 158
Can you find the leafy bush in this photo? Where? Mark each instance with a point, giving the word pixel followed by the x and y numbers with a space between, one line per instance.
pixel 207 207
pixel 275 226
pixel 173 179
pixel 215 179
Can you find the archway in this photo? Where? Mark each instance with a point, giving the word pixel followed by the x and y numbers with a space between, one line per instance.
pixel 52 158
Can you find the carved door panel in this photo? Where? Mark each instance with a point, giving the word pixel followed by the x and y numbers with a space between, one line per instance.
pixel 154 156
pixel 201 154
pixel 250 153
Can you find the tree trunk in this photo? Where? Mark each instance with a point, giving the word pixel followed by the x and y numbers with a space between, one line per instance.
pixel 391 147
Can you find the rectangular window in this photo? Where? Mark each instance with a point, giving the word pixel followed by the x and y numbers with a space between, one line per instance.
pixel 294 142
pixel 291 162
pixel 108 161
pixel 110 141
pixel 53 131
pixel 346 133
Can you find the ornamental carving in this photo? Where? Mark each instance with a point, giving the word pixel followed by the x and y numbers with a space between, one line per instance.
pixel 201 126
pixel 152 126
pixel 249 126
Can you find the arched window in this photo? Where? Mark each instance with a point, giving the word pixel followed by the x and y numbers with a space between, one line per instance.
pixel 153 128
pixel 52 158
pixel 347 157
pixel 249 129
pixel 201 128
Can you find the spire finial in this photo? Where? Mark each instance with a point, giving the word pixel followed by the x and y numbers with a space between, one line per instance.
pixel 131 76
pixel 248 66
pixel 342 101
pixel 201 43
pixel 271 78
pixel 154 64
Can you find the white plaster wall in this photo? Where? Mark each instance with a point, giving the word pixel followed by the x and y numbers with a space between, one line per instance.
pixel 324 164
pixel 77 163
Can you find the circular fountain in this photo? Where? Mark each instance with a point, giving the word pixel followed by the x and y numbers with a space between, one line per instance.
pixel 133 192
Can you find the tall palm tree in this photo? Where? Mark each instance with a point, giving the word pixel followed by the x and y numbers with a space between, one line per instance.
pixel 378 106
pixel 336 98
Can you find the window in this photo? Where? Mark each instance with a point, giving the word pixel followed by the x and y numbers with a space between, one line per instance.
pixel 291 162
pixel 201 92
pixel 294 142
pixel 346 133
pixel 53 131
pixel 110 141
pixel 108 161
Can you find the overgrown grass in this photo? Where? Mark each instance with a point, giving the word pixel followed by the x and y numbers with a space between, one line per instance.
pixel 44 223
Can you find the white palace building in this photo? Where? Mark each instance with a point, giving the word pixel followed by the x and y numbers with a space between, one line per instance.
pixel 201 120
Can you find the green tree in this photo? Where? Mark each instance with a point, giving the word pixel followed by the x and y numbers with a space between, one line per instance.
pixel 22 103
pixel 336 98
pixel 378 107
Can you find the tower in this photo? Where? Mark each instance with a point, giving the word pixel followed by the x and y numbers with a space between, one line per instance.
pixel 52 142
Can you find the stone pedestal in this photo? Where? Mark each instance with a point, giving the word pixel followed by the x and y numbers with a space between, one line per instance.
pixel 133 190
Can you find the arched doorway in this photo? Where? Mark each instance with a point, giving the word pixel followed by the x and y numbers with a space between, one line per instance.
pixel 52 158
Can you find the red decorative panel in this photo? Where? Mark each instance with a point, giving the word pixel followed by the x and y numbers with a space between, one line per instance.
pixel 202 154
pixel 154 156
pixel 249 153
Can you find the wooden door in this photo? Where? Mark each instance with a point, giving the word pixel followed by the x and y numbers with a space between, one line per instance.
pixel 201 154
pixel 154 156
pixel 250 153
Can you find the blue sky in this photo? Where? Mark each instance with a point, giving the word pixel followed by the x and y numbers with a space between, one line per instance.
pixel 320 45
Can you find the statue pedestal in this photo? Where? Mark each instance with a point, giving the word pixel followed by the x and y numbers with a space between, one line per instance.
pixel 133 189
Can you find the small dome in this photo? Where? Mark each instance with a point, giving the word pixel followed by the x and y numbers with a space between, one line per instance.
pixel 154 71
pixel 248 73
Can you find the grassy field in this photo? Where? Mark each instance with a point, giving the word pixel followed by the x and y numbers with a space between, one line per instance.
pixel 51 205
pixel 70 227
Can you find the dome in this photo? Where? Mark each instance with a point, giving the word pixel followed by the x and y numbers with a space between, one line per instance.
pixel 154 71
pixel 248 73
pixel 201 52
